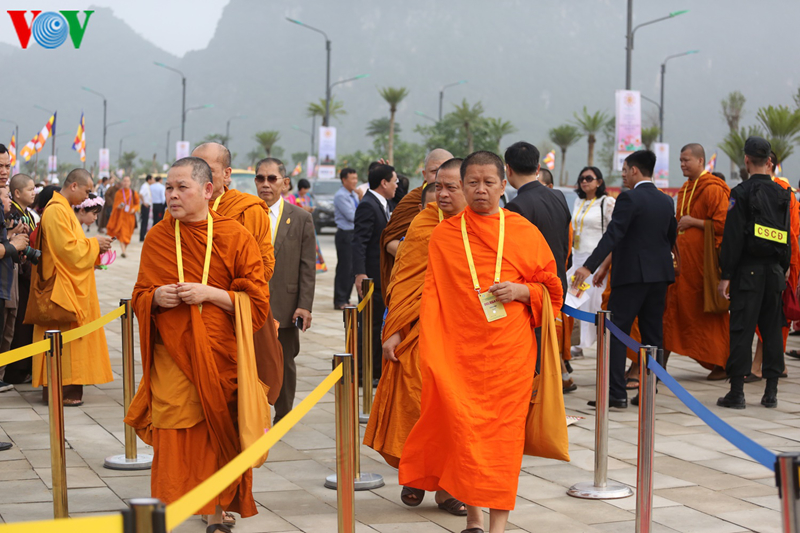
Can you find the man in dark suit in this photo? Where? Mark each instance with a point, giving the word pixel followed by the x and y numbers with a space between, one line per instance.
pixel 641 234
pixel 546 208
pixel 292 285
pixel 372 214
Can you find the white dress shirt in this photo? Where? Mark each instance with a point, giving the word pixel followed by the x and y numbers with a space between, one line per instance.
pixel 144 194
pixel 274 213
pixel 384 203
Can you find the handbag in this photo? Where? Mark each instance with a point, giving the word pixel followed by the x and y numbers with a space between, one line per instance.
pixel 41 309
pixel 713 302
pixel 546 424
pixel 791 307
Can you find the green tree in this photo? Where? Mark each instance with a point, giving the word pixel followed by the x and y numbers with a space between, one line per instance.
pixel 220 138
pixel 497 128
pixel 733 146
pixel 255 154
pixel 564 136
pixel 468 117
pixel 797 99
pixel 267 140
pixel 317 109
pixel 732 110
pixel 782 126
pixel 299 157
pixel 378 129
pixel 649 136
pixel 126 161
pixel 393 97
pixel 591 124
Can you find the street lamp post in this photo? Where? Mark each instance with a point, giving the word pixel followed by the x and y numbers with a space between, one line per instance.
pixel 189 110
pixel 327 67
pixel 105 109
pixel 441 94
pixel 228 128
pixel 183 98
pixel 629 38
pixel 661 107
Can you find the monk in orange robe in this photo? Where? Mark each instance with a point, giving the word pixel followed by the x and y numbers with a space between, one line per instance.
pixel 123 217
pixel 403 214
pixel 478 352
pixel 187 404
pixel 252 213
pixel 688 329
pixel 397 400
pixel 71 257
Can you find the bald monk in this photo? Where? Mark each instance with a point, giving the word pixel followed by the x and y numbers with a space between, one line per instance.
pixel 404 213
pixel 688 329
pixel 187 403
pixel 252 213
pixel 123 217
pixel 478 359
pixel 69 256
pixel 397 400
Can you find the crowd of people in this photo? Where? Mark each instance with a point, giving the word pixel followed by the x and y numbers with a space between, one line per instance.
pixel 468 298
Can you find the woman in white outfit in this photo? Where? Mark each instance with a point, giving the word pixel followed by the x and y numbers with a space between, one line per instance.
pixel 591 214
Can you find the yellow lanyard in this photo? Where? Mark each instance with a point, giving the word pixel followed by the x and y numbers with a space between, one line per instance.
pixel 683 200
pixel 575 224
pixel 278 221
pixel 441 215
pixel 467 248
pixel 216 202
pixel 207 263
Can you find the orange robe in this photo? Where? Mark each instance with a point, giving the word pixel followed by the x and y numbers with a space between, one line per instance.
pixel 252 213
pixel 395 409
pixel 71 257
pixel 477 376
pixel 395 229
pixel 186 404
pixel 123 219
pixel 688 330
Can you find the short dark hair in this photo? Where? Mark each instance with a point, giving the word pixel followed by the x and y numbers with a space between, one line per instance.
pixel 346 171
pixel 427 189
pixel 3 149
pixel 378 174
pixel 303 183
pixel 201 172
pixel 148 177
pixel 601 189
pixel 644 160
pixel 773 157
pixel 545 176
pixel 455 162
pixel 720 175
pixel 522 158
pixel 94 209
pixel 266 160
pixel 158 178
pixel 44 196
pixel 483 157
pixel 373 165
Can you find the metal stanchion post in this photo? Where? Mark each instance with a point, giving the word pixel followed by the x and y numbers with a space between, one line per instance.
pixel 366 349
pixel 786 477
pixel 55 401
pixel 647 426
pixel 601 489
pixel 130 460
pixel 345 446
pixel 149 515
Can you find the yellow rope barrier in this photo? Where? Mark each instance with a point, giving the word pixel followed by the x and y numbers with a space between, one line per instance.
pixel 36 348
pixel 107 524
pixel 192 501
pixel 367 298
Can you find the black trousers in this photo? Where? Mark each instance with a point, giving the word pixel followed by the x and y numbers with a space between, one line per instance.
pixel 158 212
pixel 144 212
pixel 644 301
pixel 756 301
pixel 378 308
pixel 290 342
pixel 343 283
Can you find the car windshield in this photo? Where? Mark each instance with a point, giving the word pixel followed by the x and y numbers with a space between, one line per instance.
pixel 325 187
pixel 244 182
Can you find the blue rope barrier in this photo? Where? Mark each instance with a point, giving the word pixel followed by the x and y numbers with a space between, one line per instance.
pixel 759 453
pixel 583 316
pixel 624 338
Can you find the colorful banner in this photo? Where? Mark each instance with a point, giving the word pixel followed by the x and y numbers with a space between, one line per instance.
pixel 105 163
pixel 12 151
pixel 712 163
pixel 661 172
pixel 311 166
pixel 182 150
pixel 327 145
pixel 297 170
pixel 79 144
pixel 628 125
pixel 36 144
pixel 550 160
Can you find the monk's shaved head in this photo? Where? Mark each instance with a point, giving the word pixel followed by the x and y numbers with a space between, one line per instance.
pixel 220 152
pixel 693 160
pixel 433 160
pixel 80 176
pixel 696 149
pixel 449 189
pixel 201 172
pixel 546 177
pixel 428 194
pixel 18 182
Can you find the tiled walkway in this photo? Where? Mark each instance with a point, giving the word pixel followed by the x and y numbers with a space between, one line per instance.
pixel 702 483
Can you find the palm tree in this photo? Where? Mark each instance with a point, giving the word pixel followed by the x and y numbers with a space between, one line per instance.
pixel 564 136
pixel 267 140
pixel 255 154
pixel 782 125
pixel 220 138
pixel 733 146
pixel 380 126
pixel 732 110
pixel 393 96
pixel 649 136
pixel 317 109
pixel 468 116
pixel 591 124
pixel 497 128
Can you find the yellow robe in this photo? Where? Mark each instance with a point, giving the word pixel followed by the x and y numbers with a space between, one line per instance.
pixel 69 255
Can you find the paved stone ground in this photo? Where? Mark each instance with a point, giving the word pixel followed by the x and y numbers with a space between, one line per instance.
pixel 702 483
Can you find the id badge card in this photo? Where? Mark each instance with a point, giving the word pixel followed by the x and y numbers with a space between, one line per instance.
pixel 127 208
pixel 492 307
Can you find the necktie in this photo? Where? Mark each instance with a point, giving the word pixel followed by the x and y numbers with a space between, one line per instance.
pixel 355 201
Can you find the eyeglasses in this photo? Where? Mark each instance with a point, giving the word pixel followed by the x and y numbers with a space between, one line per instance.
pixel 587 179
pixel 271 178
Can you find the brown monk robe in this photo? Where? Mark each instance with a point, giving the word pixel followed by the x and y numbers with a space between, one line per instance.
pixel 688 329
pixel 252 213
pixel 403 214
pixel 187 405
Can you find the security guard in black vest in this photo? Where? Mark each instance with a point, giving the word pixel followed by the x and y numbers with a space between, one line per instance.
pixel 754 259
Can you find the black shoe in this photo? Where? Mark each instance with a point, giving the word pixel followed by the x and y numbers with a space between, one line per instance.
pixel 732 400
pixel 5 446
pixel 612 402
pixel 769 401
pixel 793 353
pixel 568 366
pixel 635 400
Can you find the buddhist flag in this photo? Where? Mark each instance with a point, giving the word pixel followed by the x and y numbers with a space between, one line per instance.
pixel 36 144
pixel 297 170
pixel 79 144
pixel 778 169
pixel 712 163
pixel 550 160
pixel 12 150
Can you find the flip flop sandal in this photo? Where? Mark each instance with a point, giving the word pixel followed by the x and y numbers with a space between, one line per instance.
pixel 227 519
pixel 630 381
pixel 408 492
pixel 73 403
pixel 752 378
pixel 454 507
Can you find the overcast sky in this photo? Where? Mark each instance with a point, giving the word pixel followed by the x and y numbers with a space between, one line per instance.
pixel 162 22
